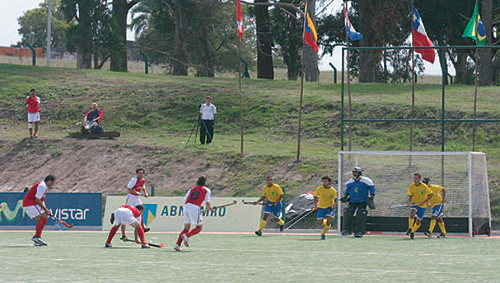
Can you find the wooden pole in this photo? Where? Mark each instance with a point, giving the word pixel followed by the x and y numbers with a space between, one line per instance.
pixel 412 113
pixel 301 99
pixel 476 78
pixel 349 98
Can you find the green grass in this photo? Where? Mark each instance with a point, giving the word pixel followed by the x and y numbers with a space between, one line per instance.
pixel 81 257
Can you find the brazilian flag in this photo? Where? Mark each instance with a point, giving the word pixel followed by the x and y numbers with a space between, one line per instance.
pixel 475 28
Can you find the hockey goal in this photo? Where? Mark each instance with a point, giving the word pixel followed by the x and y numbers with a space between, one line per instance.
pixel 464 175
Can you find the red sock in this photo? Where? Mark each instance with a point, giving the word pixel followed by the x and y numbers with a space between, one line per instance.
pixel 112 233
pixel 140 231
pixel 39 226
pixel 179 240
pixel 194 232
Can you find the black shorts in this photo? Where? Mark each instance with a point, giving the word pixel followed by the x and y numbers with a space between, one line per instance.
pixel 357 205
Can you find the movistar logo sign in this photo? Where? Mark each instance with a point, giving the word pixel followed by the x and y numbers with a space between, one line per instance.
pixel 149 213
pixel 11 215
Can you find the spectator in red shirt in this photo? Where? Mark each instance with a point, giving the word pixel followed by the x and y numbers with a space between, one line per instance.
pixel 33 109
pixel 92 118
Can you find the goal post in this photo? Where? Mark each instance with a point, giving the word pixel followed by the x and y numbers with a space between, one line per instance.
pixel 463 175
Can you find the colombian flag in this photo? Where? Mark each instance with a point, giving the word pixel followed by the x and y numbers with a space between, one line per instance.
pixel 310 36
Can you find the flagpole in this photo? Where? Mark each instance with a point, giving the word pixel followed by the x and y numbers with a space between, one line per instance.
pixel 412 124
pixel 241 94
pixel 349 99
pixel 301 89
pixel 476 78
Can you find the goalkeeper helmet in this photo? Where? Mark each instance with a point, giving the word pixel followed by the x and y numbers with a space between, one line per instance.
pixel 426 181
pixel 357 170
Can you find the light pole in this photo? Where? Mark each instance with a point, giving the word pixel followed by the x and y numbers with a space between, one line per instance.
pixel 49 32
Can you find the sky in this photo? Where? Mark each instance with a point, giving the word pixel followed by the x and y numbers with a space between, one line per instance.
pixel 11 10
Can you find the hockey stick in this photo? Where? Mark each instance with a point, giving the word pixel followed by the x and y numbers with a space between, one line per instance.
pixel 222 205
pixel 306 213
pixel 251 202
pixel 161 245
pixel 62 222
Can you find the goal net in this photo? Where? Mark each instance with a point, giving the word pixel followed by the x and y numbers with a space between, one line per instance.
pixel 463 175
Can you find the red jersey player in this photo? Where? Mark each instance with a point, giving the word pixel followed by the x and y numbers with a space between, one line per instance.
pixel 34 206
pixel 128 215
pixel 33 109
pixel 136 187
pixel 192 202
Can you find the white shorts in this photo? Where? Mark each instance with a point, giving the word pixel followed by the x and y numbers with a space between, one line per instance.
pixel 33 117
pixel 192 214
pixel 124 216
pixel 133 200
pixel 33 210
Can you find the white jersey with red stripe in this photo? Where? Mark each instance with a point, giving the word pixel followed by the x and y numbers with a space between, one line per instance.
pixel 197 195
pixel 136 185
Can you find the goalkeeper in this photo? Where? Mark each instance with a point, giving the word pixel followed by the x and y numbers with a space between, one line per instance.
pixel 360 191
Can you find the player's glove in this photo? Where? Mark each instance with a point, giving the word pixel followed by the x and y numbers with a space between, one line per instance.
pixel 345 198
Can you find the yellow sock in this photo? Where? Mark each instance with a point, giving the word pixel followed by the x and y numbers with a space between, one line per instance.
pixel 262 225
pixel 325 229
pixel 411 221
pixel 324 222
pixel 280 222
pixel 415 228
pixel 441 226
pixel 433 224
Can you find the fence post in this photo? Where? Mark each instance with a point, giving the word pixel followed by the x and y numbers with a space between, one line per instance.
pixel 334 73
pixel 145 63
pixel 152 191
pixel 33 54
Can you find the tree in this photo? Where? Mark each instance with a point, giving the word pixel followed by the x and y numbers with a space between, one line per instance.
pixel 33 26
pixel 121 8
pixel 90 31
pixel 264 42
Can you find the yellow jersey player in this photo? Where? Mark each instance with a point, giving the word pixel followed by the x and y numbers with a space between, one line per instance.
pixel 418 196
pixel 436 203
pixel 327 204
pixel 274 205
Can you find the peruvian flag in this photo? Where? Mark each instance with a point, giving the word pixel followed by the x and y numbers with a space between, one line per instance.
pixel 420 38
pixel 239 19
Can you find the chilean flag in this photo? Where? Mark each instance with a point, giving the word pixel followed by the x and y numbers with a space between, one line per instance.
pixel 349 29
pixel 239 19
pixel 310 36
pixel 420 38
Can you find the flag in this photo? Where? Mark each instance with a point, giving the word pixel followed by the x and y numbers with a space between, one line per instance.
pixel 349 29
pixel 239 18
pixel 420 38
pixel 310 36
pixel 475 28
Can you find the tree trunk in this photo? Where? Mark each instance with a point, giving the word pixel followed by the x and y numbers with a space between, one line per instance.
pixel 180 44
pixel 460 68
pixel 311 69
pixel 486 77
pixel 119 59
pixel 444 65
pixel 208 55
pixel 264 44
pixel 84 49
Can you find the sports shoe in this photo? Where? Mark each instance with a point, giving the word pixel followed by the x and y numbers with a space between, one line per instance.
pixel 108 245
pixel 428 234
pixel 38 241
pixel 412 235
pixel 31 137
pixel 282 227
pixel 145 246
pixel 39 245
pixel 35 135
pixel 258 233
pixel 346 233
pixel 186 240
pixel 442 235
pixel 323 237
pixel 177 248
pixel 112 219
pixel 358 235
pixel 408 232
pixel 147 229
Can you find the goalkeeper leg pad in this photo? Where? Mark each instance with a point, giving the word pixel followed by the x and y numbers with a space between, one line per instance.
pixel 361 217
pixel 348 217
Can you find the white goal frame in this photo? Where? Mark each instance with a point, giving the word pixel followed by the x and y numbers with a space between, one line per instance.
pixel 342 178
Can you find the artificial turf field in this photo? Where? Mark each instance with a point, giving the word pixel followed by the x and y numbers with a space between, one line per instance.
pixel 81 256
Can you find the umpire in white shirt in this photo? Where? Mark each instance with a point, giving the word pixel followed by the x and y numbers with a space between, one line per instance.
pixel 207 112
